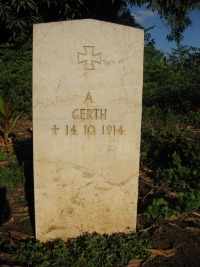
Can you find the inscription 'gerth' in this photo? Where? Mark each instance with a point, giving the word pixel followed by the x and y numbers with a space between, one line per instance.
pixel 89 114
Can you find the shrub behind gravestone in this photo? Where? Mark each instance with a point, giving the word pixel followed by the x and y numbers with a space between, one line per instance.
pixel 15 74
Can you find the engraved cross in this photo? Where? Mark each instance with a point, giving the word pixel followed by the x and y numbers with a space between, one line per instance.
pixel 89 58
pixel 55 129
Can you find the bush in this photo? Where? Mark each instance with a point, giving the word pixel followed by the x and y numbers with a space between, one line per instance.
pixel 188 201
pixel 15 74
pixel 172 84
pixel 170 140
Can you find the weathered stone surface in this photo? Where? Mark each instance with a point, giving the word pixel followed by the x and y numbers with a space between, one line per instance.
pixel 87 101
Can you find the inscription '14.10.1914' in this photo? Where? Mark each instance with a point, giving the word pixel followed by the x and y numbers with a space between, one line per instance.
pixel 90 130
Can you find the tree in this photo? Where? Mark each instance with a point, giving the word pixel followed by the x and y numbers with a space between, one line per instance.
pixel 174 13
pixel 17 16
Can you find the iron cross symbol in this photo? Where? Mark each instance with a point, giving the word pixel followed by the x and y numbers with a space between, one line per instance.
pixel 89 58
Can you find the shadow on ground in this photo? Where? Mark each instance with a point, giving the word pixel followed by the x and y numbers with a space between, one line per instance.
pixel 5 211
pixel 24 152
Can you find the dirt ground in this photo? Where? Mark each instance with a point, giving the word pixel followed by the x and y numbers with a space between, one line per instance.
pixel 183 233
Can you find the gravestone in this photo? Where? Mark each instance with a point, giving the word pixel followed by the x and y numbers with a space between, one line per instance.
pixel 87 101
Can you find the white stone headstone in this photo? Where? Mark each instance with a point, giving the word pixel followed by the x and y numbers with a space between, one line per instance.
pixel 87 103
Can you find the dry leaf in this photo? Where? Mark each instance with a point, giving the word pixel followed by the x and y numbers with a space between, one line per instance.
pixel 172 218
pixel 163 252
pixel 20 214
pixel 23 219
pixel 191 219
pixel 153 256
pixel 173 194
pixel 10 265
pixel 19 235
pixel 135 263
pixel 196 213
pixel 147 169
pixel 11 220
pixel 149 228
pixel 4 254
pixel 4 163
pixel 147 180
pixel 12 242
pixel 20 210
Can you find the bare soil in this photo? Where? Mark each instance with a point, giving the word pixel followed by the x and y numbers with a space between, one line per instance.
pixel 17 211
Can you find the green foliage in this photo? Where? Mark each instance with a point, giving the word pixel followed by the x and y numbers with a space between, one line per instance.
pixel 3 155
pixel 188 201
pixel 171 117
pixel 175 12
pixel 35 253
pixel 153 211
pixel 164 133
pixel 7 118
pixel 6 155
pixel 17 16
pixel 178 175
pixel 172 83
pixel 11 176
pixel 170 128
pixel 87 250
pixel 159 208
pixel 16 75
pixel 97 250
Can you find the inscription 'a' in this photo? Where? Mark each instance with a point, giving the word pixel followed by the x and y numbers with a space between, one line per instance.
pixel 89 58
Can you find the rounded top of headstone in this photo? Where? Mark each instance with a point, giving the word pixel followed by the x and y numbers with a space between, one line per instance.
pixel 89 22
